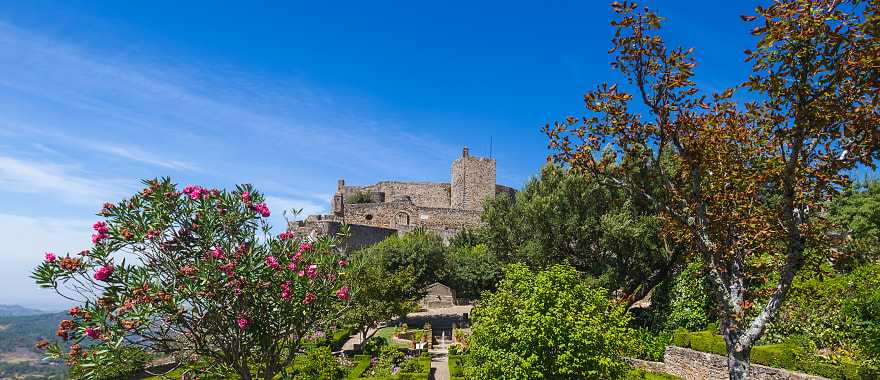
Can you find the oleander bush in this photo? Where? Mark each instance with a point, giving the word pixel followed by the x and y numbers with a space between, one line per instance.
pixel 195 273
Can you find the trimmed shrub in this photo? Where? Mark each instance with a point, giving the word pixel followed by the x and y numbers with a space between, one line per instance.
pixel 795 354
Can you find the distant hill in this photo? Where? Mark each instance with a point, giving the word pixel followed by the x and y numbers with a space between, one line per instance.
pixel 19 358
pixel 17 311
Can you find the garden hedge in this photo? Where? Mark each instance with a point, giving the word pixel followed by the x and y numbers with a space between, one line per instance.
pixel 456 367
pixel 788 355
pixel 363 364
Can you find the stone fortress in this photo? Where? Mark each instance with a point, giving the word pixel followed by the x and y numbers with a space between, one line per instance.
pixel 377 211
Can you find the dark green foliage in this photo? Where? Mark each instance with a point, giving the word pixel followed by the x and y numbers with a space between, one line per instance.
pixel 125 364
pixel 856 212
pixel 318 364
pixel 547 324
pixel 374 345
pixel 359 197
pixel 456 367
pixel 681 302
pixel 471 269
pixel 419 251
pixel 836 312
pixel 563 217
pixel 648 345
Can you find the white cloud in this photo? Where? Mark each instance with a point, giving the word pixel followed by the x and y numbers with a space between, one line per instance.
pixel 25 239
pixel 54 181
pixel 138 155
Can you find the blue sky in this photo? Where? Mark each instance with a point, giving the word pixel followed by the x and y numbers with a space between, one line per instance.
pixel 290 97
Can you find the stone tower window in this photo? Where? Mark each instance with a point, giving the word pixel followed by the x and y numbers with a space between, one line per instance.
pixel 402 219
pixel 368 217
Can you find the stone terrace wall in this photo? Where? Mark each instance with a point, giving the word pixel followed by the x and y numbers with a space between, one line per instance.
pixel 694 365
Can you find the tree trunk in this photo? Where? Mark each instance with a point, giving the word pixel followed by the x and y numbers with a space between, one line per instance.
pixel 738 362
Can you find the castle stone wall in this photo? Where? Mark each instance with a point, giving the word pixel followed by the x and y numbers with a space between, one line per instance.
pixel 425 194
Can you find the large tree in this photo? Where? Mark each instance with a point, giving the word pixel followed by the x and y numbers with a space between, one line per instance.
pixel 746 184
pixel 563 216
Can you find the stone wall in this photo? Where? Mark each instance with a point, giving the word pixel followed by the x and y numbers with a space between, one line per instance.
pixel 695 365
pixel 425 194
pixel 473 180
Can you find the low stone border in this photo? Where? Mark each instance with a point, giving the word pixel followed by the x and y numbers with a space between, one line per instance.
pixel 695 365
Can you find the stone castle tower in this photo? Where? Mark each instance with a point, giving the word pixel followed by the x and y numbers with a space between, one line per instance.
pixel 376 211
pixel 473 180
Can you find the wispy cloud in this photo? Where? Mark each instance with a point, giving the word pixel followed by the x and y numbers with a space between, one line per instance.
pixel 34 177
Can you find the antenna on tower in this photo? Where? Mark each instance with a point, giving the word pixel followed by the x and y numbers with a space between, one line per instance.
pixel 490 146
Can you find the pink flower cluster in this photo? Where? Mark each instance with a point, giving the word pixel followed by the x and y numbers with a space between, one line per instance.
pixel 272 262
pixel 93 333
pixel 261 209
pixel 285 290
pixel 342 293
pixel 50 257
pixel 195 192
pixel 243 323
pixel 310 297
pixel 246 197
pixel 217 253
pixel 286 235
pixel 312 271
pixel 104 272
pixel 101 231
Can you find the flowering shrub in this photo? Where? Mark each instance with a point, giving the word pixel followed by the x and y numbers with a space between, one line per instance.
pixel 195 274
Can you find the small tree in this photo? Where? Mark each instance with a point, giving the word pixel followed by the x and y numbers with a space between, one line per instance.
pixel 547 325
pixel 746 186
pixel 184 273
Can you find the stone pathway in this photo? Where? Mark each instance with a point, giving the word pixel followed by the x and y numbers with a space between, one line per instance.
pixel 356 339
pixel 439 365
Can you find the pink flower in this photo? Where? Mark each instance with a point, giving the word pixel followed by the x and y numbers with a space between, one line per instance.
pixel 195 192
pixel 342 293
pixel 93 332
pixel 101 231
pixel 246 196
pixel 100 227
pixel 285 290
pixel 217 253
pixel 312 271
pixel 343 263
pixel 50 257
pixel 305 247
pixel 228 269
pixel 310 297
pixel 272 262
pixel 151 234
pixel 98 237
pixel 104 272
pixel 301 273
pixel 297 256
pixel 243 323
pixel 331 277
pixel 291 266
pixel 261 209
pixel 286 235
